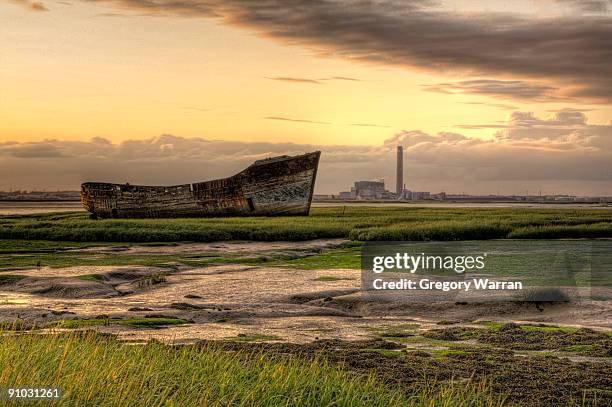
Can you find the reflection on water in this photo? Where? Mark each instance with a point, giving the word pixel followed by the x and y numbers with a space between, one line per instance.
pixel 25 208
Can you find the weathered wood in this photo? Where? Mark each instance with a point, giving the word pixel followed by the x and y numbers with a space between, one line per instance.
pixel 276 186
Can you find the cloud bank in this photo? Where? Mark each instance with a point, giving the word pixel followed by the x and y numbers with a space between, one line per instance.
pixel 589 6
pixel 562 153
pixel 571 52
pixel 517 90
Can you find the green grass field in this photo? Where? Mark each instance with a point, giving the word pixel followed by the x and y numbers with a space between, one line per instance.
pixel 96 369
pixel 93 369
pixel 356 223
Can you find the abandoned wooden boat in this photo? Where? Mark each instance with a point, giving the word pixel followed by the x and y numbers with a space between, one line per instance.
pixel 278 186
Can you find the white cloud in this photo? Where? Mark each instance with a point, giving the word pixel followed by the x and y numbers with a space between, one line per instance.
pixel 562 153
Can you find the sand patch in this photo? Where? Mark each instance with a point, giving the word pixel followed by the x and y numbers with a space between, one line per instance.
pixel 220 247
pixel 289 304
pixel 80 282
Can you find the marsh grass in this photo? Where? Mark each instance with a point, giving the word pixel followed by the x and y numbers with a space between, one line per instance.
pixel 357 223
pixel 496 326
pixel 95 369
pixel 10 278
pixel 390 353
pixel 579 349
pixel 328 259
pixel 91 277
pixel 252 338
pixel 145 322
pixel 80 258
pixel 395 332
pixel 329 278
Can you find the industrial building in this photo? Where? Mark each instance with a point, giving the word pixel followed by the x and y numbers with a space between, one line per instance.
pixel 399 173
pixel 375 190
pixel 368 190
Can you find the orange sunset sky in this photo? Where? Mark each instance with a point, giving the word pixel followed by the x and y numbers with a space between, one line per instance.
pixel 485 97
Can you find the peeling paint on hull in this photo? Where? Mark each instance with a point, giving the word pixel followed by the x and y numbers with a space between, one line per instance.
pixel 279 186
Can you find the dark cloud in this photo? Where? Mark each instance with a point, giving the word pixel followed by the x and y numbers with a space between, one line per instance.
pixel 570 110
pixel 572 52
pixel 499 105
pixel 297 80
pixel 517 90
pixel 589 6
pixel 31 5
pixel 318 81
pixel 340 78
pixel 118 15
pixel 288 119
pixel 562 153
pixel 481 126
pixel 562 122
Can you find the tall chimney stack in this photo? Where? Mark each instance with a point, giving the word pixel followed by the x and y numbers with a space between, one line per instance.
pixel 399 180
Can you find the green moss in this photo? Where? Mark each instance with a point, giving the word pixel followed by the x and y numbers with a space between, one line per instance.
pixel 9 278
pixel 41 246
pixel 492 325
pixel 545 354
pixel 83 258
pixel 328 278
pixel 395 332
pixel 390 353
pixel 147 322
pixel 421 340
pixel 442 353
pixel 340 258
pixel 526 327
pixel 579 348
pixel 252 338
pixel 91 277
pixel 151 322
pixel 549 328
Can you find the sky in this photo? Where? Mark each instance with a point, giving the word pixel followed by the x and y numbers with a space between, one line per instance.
pixel 485 96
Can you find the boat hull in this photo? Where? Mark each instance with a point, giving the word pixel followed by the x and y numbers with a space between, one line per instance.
pixel 280 186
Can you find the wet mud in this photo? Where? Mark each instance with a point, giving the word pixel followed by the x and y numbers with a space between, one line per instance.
pixel 535 381
pixel 323 313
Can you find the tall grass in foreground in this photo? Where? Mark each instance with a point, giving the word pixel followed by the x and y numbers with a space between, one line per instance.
pixel 92 369
pixel 357 223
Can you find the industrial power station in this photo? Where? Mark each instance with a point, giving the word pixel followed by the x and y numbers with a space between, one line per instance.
pixel 375 190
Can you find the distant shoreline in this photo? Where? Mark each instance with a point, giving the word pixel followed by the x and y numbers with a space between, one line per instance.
pixel 29 207
pixel 40 200
pixel 383 202
pixel 455 201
